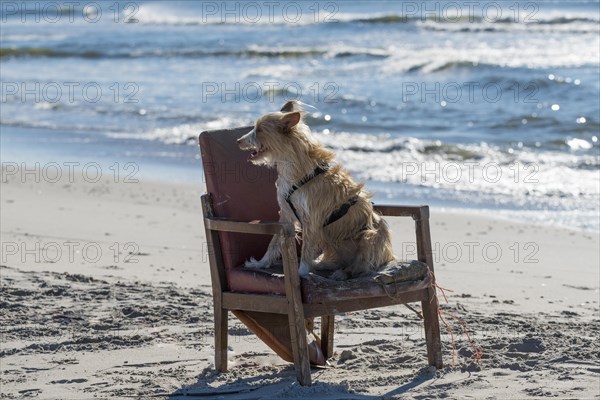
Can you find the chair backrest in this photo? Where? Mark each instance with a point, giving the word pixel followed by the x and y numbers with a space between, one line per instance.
pixel 239 190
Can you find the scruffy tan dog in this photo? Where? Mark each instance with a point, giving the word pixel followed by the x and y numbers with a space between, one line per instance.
pixel 340 230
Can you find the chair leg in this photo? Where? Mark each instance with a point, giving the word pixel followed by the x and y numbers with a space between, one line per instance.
pixel 295 311
pixel 432 330
pixel 221 316
pixel 300 348
pixel 327 329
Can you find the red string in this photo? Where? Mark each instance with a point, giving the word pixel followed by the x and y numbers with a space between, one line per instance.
pixel 477 352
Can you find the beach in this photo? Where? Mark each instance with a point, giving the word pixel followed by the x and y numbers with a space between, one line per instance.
pixel 452 104
pixel 487 112
pixel 119 305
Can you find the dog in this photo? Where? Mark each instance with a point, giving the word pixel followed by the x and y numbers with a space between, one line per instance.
pixel 341 233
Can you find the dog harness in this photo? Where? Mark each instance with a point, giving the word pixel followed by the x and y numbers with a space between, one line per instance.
pixel 337 214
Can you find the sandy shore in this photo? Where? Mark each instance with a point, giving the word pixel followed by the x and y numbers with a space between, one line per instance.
pixel 106 294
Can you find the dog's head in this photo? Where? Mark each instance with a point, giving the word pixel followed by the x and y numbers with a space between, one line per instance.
pixel 272 137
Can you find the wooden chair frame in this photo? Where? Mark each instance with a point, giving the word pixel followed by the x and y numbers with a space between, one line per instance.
pixel 292 305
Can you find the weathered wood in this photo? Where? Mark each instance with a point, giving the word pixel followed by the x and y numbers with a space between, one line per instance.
pixel 295 310
pixel 327 331
pixel 271 329
pixel 424 249
pixel 329 308
pixel 279 304
pixel 213 244
pixel 217 275
pixel 432 330
pixel 255 302
pixel 221 338
pixel 257 227
pixel 399 211
pixel 430 305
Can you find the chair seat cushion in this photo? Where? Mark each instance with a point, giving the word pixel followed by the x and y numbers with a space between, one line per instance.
pixel 396 277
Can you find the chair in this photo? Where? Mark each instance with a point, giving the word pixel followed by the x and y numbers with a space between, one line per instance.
pixel 240 213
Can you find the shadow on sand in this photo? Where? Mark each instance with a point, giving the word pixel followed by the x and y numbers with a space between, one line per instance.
pixel 282 384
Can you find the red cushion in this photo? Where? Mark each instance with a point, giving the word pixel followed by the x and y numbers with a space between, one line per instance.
pixel 316 289
pixel 261 281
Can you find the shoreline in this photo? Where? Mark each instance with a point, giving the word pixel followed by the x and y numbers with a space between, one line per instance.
pixel 158 162
pixel 138 320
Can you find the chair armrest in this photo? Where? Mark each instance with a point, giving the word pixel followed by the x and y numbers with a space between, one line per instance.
pixel 416 212
pixel 420 214
pixel 256 227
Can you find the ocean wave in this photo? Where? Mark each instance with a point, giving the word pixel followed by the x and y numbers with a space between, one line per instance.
pixel 565 170
pixel 300 52
pixel 191 53
pixel 372 144
pixel 405 19
pixel 481 167
pixel 10 52
pixel 450 65
pixel 511 26
pixel 408 149
pixel 184 133
pixel 535 53
pixel 179 134
pixel 438 62
pixel 53 126
pixel 450 19
pixel 31 37
pixel 249 52
pixel 473 23
pixel 154 14
pixel 392 59
pixel 567 20
pixel 518 121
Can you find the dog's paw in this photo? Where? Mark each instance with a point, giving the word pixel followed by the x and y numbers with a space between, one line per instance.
pixel 304 269
pixel 252 263
pixel 339 275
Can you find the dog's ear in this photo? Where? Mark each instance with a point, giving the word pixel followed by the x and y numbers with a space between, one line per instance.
pixel 289 106
pixel 290 120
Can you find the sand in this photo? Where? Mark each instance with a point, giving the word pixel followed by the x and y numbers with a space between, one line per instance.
pixel 106 294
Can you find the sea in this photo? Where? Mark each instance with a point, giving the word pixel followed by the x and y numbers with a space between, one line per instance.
pixel 483 106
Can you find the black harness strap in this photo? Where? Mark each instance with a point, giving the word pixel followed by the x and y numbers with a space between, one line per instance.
pixel 337 214
pixel 318 171
pixel 340 212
